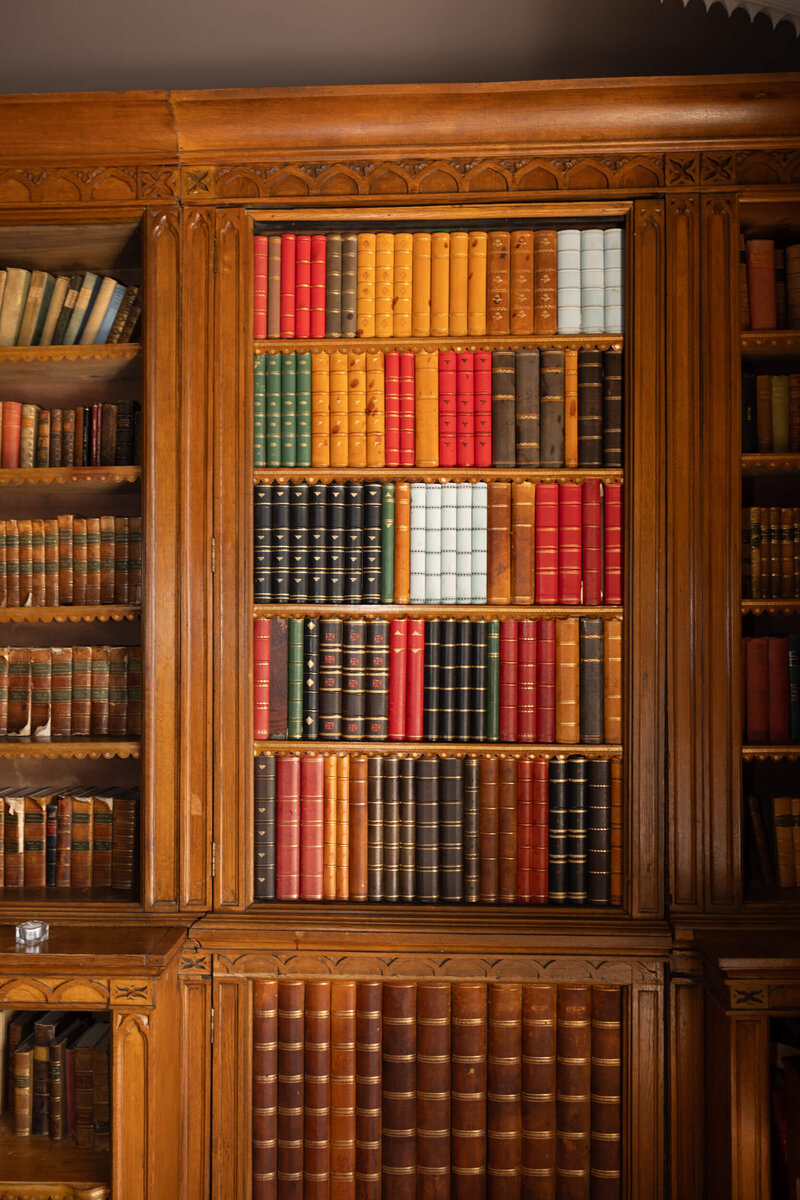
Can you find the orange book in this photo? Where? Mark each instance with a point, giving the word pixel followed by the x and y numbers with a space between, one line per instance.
pixel 499 543
pixel 358 827
pixel 570 407
pixel 343 827
pixel 612 681
pixel 522 543
pixel 421 285
pixel 376 441
pixel 476 283
pixel 403 275
pixel 365 286
pixel 459 284
pixel 343 1089
pixel 498 282
pixel 384 284
pixel 357 409
pixel 339 407
pixel 440 284
pixel 567 681
pixel 402 536
pixel 426 397
pixel 329 828
pixel 320 409
pixel 521 282
pixel 545 281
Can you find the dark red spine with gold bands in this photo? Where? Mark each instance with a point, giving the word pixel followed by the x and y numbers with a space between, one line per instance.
pixel 592 545
pixel 343 1089
pixel 398 659
pixel 606 1103
pixel 302 285
pixel 539 1090
pixel 546 682
pixel 407 409
pixel 312 792
pixel 447 408
pixel 468 1095
pixel 546 543
pixel 509 700
pixel 399 1069
pixel 433 1090
pixel 391 402
pixel 260 248
pixel 482 400
pixel 287 285
pixel 524 830
pixel 291 1012
pixel 261 646
pixel 612 567
pixel 415 679
pixel 489 882
pixel 507 830
pixel 368 1090
pixel 465 409
pixel 358 827
pixel 287 828
pixel 526 681
pixel 504 1092
pixel 540 831
pixel 573 1086
pixel 265 1089
pixel 318 280
pixel 570 531
pixel 317 1090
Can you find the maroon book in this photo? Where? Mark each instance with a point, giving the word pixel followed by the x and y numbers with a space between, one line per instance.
pixel 447 408
pixel 319 247
pixel 287 285
pixel 408 365
pixel 612 566
pixel 398 650
pixel 465 409
pixel 546 543
pixel 391 402
pixel 778 690
pixel 524 830
pixel 526 681
pixel 540 821
pixel 312 770
pixel 546 682
pixel 755 650
pixel 508 680
pixel 482 403
pixel 592 543
pixel 415 679
pixel 287 828
pixel 570 543
pixel 302 285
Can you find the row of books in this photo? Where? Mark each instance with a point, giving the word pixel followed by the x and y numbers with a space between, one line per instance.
pixel 490 1089
pixel 770 414
pixel 502 408
pixel 86 309
pixel 770 285
pixel 70 691
pixel 770 553
pixel 453 681
pixel 69 837
pixel 57 1065
pixel 488 829
pixel 771 689
pixel 70 560
pixel 784 836
pixel 432 543
pixel 91 435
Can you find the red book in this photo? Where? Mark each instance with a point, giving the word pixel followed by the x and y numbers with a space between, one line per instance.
pixel 407 409
pixel 546 682
pixel 482 404
pixel 261 679
pixel 260 253
pixel 391 408
pixel 12 423
pixel 612 567
pixel 761 283
pixel 465 409
pixel 447 408
pixel 757 702
pixel 398 652
pixel 312 784
pixel 526 681
pixel 546 543
pixel 287 828
pixel 778 693
pixel 319 245
pixel 508 680
pixel 592 520
pixel 287 285
pixel 302 285
pixel 524 830
pixel 570 538
pixel 415 679
pixel 540 830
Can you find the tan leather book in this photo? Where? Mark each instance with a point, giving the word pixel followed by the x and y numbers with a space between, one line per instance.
pixel 522 563
pixel 12 563
pixel 93 560
pixel 291 1014
pixel 316 1090
pixel 121 577
pixel 498 282
pixel 545 281
pixel 488 830
pixel 399 1084
pixel 365 286
pixel 25 544
pixel 612 681
pixel 117 691
pixel 384 284
pixel 606 1091
pixel 567 680
pixel 343 1089
pixel 570 406
pixel 265 1088
pixel 29 419
pixel 107 560
pixel 320 409
pixel 61 691
pixel 421 285
pixel 504 1086
pixel 507 830
pixel 433 1087
pixel 376 419
pixel 403 275
pixel 135 560
pixel 476 283
pixel 339 402
pixel 468 1004
pixel 41 691
pixel 19 691
pixel 368 1087
pixel 573 1086
pixel 79 559
pixel 402 542
pixel 426 402
pixel 343 827
pixel 65 576
pixel 440 283
pixel 539 1050
pixel 81 691
pixel 521 282
pixel 356 409
pixel 38 580
pixel 100 690
pixel 499 542
pixel 459 284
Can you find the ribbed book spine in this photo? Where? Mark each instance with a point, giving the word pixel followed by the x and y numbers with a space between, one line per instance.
pixel 265 1088
pixel 390 850
pixel 353 662
pixel 339 407
pixel 368 1089
pixel 295 728
pixel 427 829
pixel 354 542
pixel 264 796
pixel 480 522
pixel 504 1089
pixel 421 285
pixel 471 831
pixel 408 862
pixel 488 878
pixel 261 679
pixel 316 1090
pixel 569 281
pixel 463 516
pixel 291 1040
pixel 570 543
pixel 408 419
pixel 392 408
pixel 447 409
pixel 403 283
pixel 317 542
pixel 540 816
pixel 336 550
pixel 567 691
pixel 333 285
pixel 499 542
pixel 522 546
pixel 573 1086
pixel 482 367
pixel 521 297
pixel 526 681
pixel 274 404
pixel 349 284
pixel 399 1090
pixel 365 285
pixel 318 285
pixel 612 574
pixel 463 699
pixel 343 1089
pixel 415 680
pixel 593 312
pixel 417 543
pixel 281 540
pixel 465 409
pixel 402 539
pixel 288 410
pixel 551 408
pixel 440 283
pixel 498 282
pixel 343 827
pixel 330 679
pixel 371 551
pixel 591 688
pixel 539 1065
pixel 449 551
pixel 298 543
pixel 577 821
pixel 376 415
pixel 398 665
pixel 259 409
pixel 359 823
pixel 433 1085
pixel 375 829
pixel 508 681
pixel 387 542
pixel 303 411
pixel 287 828
pixel 468 1090
pixel 377 681
pixel 606 1093
pixel 433 543
pixel 507 830
pixel 447 681
pixel 302 285
pixel 310 679
pixel 557 841
pixel 598 840
pixel 503 408
pixel 527 407
pixel 451 830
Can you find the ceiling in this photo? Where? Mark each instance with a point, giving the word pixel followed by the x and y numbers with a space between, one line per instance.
pixel 92 45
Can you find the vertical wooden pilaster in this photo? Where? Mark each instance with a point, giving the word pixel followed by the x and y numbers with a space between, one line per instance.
pixel 646 1095
pixel 750 1107
pixel 231 1148
pixel 686 1086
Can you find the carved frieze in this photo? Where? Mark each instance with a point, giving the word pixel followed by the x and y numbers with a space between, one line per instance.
pixel 132 993
pixel 51 992
pixel 195 963
pixel 91 185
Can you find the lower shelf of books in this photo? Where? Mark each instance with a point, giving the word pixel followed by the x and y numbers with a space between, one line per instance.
pixel 27 1160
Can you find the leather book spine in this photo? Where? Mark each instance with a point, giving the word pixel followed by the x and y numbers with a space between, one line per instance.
pixel 12 425
pixel 356 409
pixel 482 392
pixel 522 495
pixel 570 406
pixel 343 1089
pixel 546 542
pixel 398 666
pixel 778 690
pixel 128 433
pixel 592 541
pixel 447 682
pixel 403 283
pixel 415 680
pixel 84 1091
pixel 598 841
pixel 376 411
pixel 551 408
pixel 480 539
pixel 526 681
pixel 369 1090
pixel 349 284
pixel 432 672
pixel 353 695
pixel 612 567
pixel 557 839
pixel 794 686
pixel 459 283
pixel 50 838
pixel 524 830
pixel 320 409
pixel 330 780
pixel 303 410
pixel 433 1087
pixel 37 562
pixel 427 829
pixel 606 1092
pixel 14 841
pixel 764 414
pixel 451 830
pixel 755 655
pixel 122 582
pixel 99 691
pixel 34 841
pixel 261 678
pixel 471 828
pixel 265 1088
pixel 82 840
pixel 426 409
pixel 3 694
pixel 12 563
pixel 343 827
pixel 365 285
pixel 493 681
pixel 23 1087
pixel 521 282
pixel 291 1092
pixel 612 681
pixel 102 834
pixel 507 830
pixel 260 255
pixel 65 575
pixel 333 285
pixel 376 682
pixel 770 520
pixel 569 281
pixel 794 414
pixel 488 834
pixel 124 840
pixel 316 1090
pixel 43 439
pixel 477 262
pixel 374 829
pixel 19 690
pixel 27 436
pixel 590 408
pixel 278 712
pixel 527 407
pixel 387 589
pixel 440 283
pixel 336 548
pixel 421 285
pixel 447 409
pixel 101 1107
pixel 358 826
pixel 399 1086
pixel 371 549
pixel 390 851
pixel 108 435
pixel 330 679
pixel 465 409
pixel 498 282
pixel 408 408
pixel 463 699
pixel 274 408
pixel 504 417
pixel 761 283
pixel 784 841
pixel 81 691
pixel 504 1090
pixel 287 828
pixel 391 401
pixel 509 712
pixel 312 786
pixel 577 828
pixel 117 691
pixel 262 543
pixel 93 561
pixel 468 1090
pixel 25 561
pixel 384 284
pixel 540 821
pixel 499 543
pixel 402 548
pixel 463 515
pixel 539 1068
pixel 107 559
pixel 353 542
pixel 570 543
pixel 41 692
pixel 281 543
pixel 749 430
pixel 55 1089
pixel 567 680
pixel 787 552
pixel 318 285
pixel 288 285
pixel 591 687
pixel 545 281
pixel 574 1085
pixel 478 685
pixel 407 829
pixel 288 421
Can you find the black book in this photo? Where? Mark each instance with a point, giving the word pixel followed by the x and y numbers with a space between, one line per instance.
pixel 336 545
pixel 262 543
pixel 353 542
pixel 472 794
pixel 317 542
pixel 371 560
pixel 598 839
pixel 330 679
pixel 451 830
pixel 447 682
pixel 590 408
pixel 391 827
pixel 591 680
pixel 557 834
pixel 551 408
pixel 576 828
pixel 127 418
pixel 463 698
pixel 408 825
pixel 354 646
pixel 298 543
pixel 375 828
pixel 749 426
pixel 86 438
pixel 264 781
pixel 281 553
pixel 504 421
pixel 376 681
pixel 479 679
pixel 527 407
pixel 427 829
pixel 613 409
pixel 430 713
pixel 65 316
pixel 311 679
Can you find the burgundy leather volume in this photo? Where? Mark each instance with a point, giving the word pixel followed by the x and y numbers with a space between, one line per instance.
pixel 433 1089
pixel 265 1088
pixel 399 1090
pixel 503 1092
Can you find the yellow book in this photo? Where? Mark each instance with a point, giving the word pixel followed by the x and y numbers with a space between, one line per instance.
pixel 403 266
pixel 570 407
pixel 567 681
pixel 375 411
pixel 338 405
pixel 612 681
pixel 421 286
pixel 320 409
pixel 459 274
pixel 426 404
pixel 365 286
pixel 476 284
pixel 440 284
pixel 384 285
pixel 357 408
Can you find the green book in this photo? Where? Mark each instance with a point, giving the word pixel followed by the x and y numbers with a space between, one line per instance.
pixel 259 410
pixel 303 410
pixel 387 544
pixel 295 706
pixel 289 410
pixel 273 402
pixel 493 684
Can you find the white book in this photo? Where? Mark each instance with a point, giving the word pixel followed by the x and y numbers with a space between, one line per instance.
pixel 614 276
pixel 60 289
pixel 433 543
pixel 464 543
pixel 14 297
pixel 449 543
pixel 416 541
pixel 98 311
pixel 480 502
pixel 81 307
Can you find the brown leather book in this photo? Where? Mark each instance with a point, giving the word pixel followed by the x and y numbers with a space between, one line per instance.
pixel 99 690
pixel 121 580
pixel 433 1089
pixel 22 1075
pixel 47 1027
pixel 265 1088
pixel 504 1091
pixel 545 281
pixel 343 827
pixel 402 542
pixel 81 691
pixel 101 1092
pixel 124 839
pixel 38 563
pixel 64 840
pixel 41 691
pixel 527 407
pixel 567 680
pixel 291 1010
pixel 92 589
pixel 504 418
pixel 522 590
pixel 107 560
pixel 507 830
pixel 573 1106
pixel 539 1089
pixel 117 691
pixel 426 404
pixel 358 827
pixel 102 835
pixel 521 283
pixel 399 1148
pixel 489 867
pixel 82 838
pixel 35 806
pixel 25 561
pixel 84 1049
pixel 368 1090
pixel 56 1098
pixel 343 1089
pixel 79 560
pixel 499 543
pixel 468 1098
pixel 316 1090
pixel 606 1103
pixel 612 681
pixel 19 690
pixel 498 283
pixel 570 407
pixel 65 578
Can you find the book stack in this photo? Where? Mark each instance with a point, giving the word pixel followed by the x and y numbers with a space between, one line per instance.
pixel 771 689
pixel 92 435
pixel 548 407
pixel 69 838
pixel 58 1068
pixel 68 560
pixel 488 829
pixel 466 1082
pixel 770 414
pixel 70 691
pixel 505 542
pixel 86 309
pixel 769 285
pixel 770 553
pixel 537 681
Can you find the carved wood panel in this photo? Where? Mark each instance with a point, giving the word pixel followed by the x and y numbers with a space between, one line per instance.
pixel 130 1141
pixel 86 185
pixel 52 992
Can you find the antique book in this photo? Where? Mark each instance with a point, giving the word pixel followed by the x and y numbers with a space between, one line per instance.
pixel 287 827
pixel 368 1122
pixel 458 325
pixel 399 1086
pixel 330 679
pixel 551 408
pixel 598 839
pixel 265 1087
pixel 570 406
pixel 526 680
pixel 591 680
pixel 450 832
pixel 606 1092
pixel 471 828
pixel 316 1089
pixel 295 675
pixel 440 283
pixel 577 825
pixel 504 419
pixel 358 818
pixel 488 831
pixel 499 537
pixel 539 1068
pixel 290 1089
pixel 403 266
pixel 384 284
pixel 574 1086
pixel 376 681
pixel 507 830
pixel 390 850
pixel 448 439
pixel 356 409
pixel 374 829
pixel 558 825
pixel 354 647
pixel 365 285
pixel 433 1087
pixel 508 695
pixel 427 888
pixel 317 293
pixel 503 1084
pixel 311 826
pixel 421 285
pixel 482 403
pixel 342 1127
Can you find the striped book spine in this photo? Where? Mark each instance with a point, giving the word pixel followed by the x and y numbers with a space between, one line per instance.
pixel 376 416
pixel 391 828
pixel 463 700
pixel 524 830
pixel 354 542
pixel 427 829
pixel 433 543
pixel 592 281
pixel 403 276
pixel 336 551
pixel 288 423
pixel 415 680
pixel 339 401
pixel 408 852
pixel 371 552
pixel 312 787
pixel 374 829
pixel 259 410
pixel 330 781
pixel 303 410
pixel 459 284
pixel 302 285
pixel 598 838
pixel 449 543
pixel 392 408
pixel 295 702
pixel 317 539
pixel 463 515
pixel 260 251
pixel 431 680
pixel 287 828
pixel 476 283
pixel 330 679
pixel 365 285
pixel 387 543
pixel 447 409
pixel 471 828
pixel 613 280
pixel 482 403
pixel 310 679
pixel 318 285
pixel 557 835
pixel 569 281
pixel 298 543
pixel 357 409
pixel 418 543
pixel 353 662
pixel 377 681
pixel 274 376
pixel 480 519
pixel 349 284
pixel 333 285
pixel 262 544
pixel 421 285
pixel 465 409
pixel 408 419
pixel 287 293
pixel 577 828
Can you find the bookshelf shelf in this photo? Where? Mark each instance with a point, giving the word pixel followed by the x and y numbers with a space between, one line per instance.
pixel 41 1161
pixel 93 748
pixel 65 614
pixel 69 364
pixel 439 475
pixel 60 900
pixel 770 464
pixel 77 478
pixel 413 345
pixel 770 753
pixel 771 606
pixel 442 749
pixel 463 611
pixel 759 345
